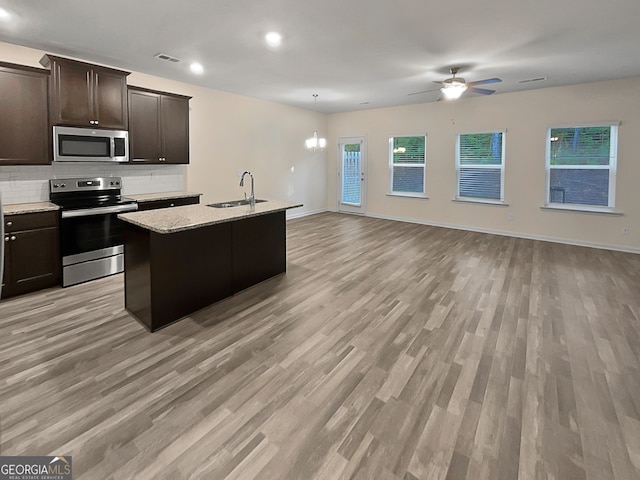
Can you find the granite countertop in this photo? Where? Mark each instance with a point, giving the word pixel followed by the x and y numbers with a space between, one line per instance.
pixel 176 219
pixel 150 197
pixel 35 207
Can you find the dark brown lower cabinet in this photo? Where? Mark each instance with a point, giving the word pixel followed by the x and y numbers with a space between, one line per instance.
pixel 167 203
pixel 32 253
pixel 169 276
pixel 259 249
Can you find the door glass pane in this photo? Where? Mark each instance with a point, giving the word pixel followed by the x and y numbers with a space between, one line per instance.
pixel 351 188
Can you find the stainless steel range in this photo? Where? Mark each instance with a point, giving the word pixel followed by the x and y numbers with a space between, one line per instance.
pixel 90 232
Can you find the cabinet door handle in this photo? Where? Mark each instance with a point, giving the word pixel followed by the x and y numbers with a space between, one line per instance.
pixel 6 239
pixel 13 237
pixel 9 224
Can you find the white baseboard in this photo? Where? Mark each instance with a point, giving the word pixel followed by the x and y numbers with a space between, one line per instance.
pixel 567 241
pixel 291 214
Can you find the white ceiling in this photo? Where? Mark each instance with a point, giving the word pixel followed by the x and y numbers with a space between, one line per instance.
pixel 348 51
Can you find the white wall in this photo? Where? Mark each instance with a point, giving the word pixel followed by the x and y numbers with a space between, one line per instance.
pixel 228 133
pixel 232 133
pixel 526 117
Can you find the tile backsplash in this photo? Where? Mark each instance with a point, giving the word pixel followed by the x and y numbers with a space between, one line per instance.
pixel 25 184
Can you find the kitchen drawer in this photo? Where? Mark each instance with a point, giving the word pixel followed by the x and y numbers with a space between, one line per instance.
pixel 30 221
pixel 166 203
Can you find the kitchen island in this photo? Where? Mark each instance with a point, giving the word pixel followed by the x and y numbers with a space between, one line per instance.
pixel 179 260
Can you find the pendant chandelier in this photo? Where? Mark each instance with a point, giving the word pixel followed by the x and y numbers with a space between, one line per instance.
pixel 315 143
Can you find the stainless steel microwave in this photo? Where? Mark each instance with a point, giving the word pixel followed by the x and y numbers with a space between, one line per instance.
pixel 73 144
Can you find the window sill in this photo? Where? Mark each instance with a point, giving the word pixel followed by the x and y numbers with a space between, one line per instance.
pixel 408 195
pixel 495 203
pixel 581 209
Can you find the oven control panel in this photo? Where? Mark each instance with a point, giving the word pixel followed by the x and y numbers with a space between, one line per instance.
pixel 85 184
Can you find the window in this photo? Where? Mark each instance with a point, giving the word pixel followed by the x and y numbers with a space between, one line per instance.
pixel 581 165
pixel 407 162
pixel 480 166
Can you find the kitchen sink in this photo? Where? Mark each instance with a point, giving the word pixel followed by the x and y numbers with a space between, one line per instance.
pixel 234 203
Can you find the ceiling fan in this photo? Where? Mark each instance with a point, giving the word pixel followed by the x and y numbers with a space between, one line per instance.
pixel 453 87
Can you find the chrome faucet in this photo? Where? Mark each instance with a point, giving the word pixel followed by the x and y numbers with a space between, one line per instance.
pixel 252 197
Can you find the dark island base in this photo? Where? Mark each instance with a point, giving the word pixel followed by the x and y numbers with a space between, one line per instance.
pixel 169 276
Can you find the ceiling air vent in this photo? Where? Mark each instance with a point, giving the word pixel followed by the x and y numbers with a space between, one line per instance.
pixel 168 58
pixel 531 80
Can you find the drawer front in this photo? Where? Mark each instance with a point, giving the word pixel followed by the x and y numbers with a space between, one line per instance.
pixel 30 221
pixel 174 202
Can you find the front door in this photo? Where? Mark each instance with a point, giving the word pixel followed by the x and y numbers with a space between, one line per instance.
pixel 352 180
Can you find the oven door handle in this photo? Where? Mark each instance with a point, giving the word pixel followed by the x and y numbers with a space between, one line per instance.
pixel 86 212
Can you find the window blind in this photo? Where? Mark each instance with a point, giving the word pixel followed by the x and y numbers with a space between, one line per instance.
pixel 480 165
pixel 407 158
pixel 581 165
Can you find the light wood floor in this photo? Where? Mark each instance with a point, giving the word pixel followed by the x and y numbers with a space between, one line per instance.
pixel 388 351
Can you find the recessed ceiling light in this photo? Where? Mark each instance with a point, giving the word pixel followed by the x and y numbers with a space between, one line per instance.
pixel 4 15
pixel 273 39
pixel 196 68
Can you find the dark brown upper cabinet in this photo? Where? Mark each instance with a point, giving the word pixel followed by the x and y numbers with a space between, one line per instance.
pixel 158 127
pixel 86 95
pixel 24 129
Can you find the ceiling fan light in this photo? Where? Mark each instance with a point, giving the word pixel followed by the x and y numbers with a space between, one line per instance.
pixel 453 91
pixel 454 81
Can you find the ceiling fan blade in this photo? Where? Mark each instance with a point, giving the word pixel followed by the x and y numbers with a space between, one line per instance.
pixel 485 81
pixel 482 91
pixel 424 91
pixel 437 81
